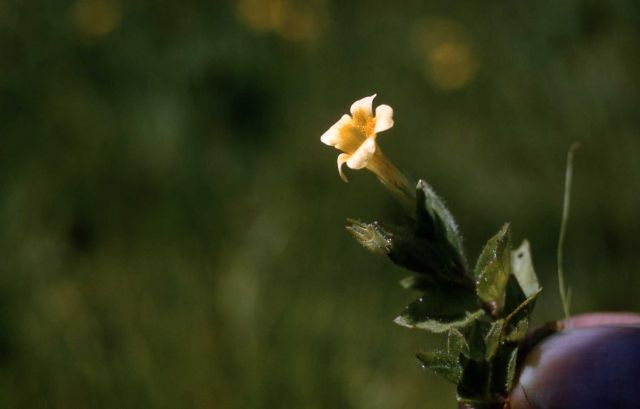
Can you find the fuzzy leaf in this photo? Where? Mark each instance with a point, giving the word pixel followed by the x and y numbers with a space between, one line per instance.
pixel 419 255
pixel 424 283
pixel 416 282
pixel 433 217
pixel 519 331
pixel 503 370
pixel 522 269
pixel 442 363
pixel 512 365
pixel 441 309
pixel 492 269
pixel 437 324
pixel 514 297
pixel 475 335
pixel 457 344
pixel 492 339
pixel 518 310
pixel 524 309
pixel 474 382
pixel 408 250
pixel 436 224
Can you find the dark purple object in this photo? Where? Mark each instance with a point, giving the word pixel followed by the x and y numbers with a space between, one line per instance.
pixel 593 363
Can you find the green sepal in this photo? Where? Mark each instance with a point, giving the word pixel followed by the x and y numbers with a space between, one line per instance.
pixel 442 363
pixel 522 269
pixel 440 309
pixel 370 235
pixel 493 268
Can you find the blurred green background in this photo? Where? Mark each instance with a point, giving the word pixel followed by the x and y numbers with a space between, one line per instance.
pixel 172 228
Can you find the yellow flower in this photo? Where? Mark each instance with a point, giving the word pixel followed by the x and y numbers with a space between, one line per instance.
pixel 355 135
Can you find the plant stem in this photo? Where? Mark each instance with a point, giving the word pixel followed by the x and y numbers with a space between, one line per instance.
pixel 564 297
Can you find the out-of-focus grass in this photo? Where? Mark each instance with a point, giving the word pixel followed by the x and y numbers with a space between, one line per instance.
pixel 171 227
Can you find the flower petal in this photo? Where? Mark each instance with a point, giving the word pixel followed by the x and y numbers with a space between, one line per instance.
pixel 342 158
pixel 384 118
pixel 365 105
pixel 360 158
pixel 332 136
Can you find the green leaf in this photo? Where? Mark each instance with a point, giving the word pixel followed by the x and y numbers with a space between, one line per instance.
pixel 436 224
pixel 503 370
pixel 417 282
pixel 456 343
pixel 433 217
pixel 419 255
pixel 492 270
pixel 475 335
pixel 522 269
pixel 408 250
pixel 492 339
pixel 512 365
pixel 438 324
pixel 523 310
pixel 519 331
pixel 442 363
pixel 518 309
pixel 441 309
pixel 514 297
pixel 474 382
